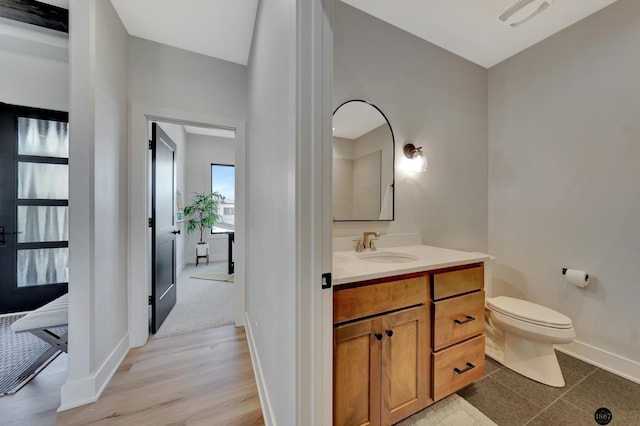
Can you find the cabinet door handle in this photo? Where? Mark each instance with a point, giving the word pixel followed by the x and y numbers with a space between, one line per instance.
pixel 389 333
pixel 468 318
pixel 464 370
pixel 378 336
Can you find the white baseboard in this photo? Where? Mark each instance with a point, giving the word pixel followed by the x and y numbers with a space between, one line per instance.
pixel 265 403
pixel 608 361
pixel 75 393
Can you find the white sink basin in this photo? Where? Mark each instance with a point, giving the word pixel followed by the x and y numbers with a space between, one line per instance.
pixel 387 257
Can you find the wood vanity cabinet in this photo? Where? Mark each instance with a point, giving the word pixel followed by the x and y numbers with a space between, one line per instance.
pixel 381 362
pixel 401 343
pixel 458 328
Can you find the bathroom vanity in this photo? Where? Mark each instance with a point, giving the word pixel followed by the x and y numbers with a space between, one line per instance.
pixel 408 330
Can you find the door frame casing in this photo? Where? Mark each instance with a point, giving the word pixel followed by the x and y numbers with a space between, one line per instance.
pixel 139 275
pixel 314 310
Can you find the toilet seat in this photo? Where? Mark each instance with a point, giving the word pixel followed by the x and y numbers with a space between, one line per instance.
pixel 532 313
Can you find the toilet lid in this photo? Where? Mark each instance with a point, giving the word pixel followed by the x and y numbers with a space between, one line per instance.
pixel 529 312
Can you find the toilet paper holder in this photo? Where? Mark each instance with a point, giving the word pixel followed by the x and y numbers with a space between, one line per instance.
pixel 564 272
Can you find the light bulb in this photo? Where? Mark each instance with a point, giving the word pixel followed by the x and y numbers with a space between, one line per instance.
pixel 419 162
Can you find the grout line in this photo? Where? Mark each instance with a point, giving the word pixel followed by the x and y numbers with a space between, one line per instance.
pixel 493 372
pixel 561 396
pixel 574 405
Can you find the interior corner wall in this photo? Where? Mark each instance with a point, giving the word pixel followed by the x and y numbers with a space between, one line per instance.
pixel 98 168
pixel 202 151
pixel 435 98
pixel 563 176
pixel 179 136
pixel 271 204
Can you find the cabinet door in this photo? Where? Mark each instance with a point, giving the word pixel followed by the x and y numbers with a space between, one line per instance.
pixel 405 364
pixel 356 369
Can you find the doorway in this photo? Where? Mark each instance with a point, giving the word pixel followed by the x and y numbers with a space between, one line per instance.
pixel 140 253
pixel 198 226
pixel 34 195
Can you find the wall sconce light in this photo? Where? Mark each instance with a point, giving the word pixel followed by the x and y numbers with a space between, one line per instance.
pixel 417 159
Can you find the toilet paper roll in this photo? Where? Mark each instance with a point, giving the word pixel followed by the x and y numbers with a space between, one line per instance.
pixel 577 277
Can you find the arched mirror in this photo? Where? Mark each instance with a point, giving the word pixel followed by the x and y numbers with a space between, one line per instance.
pixel 363 157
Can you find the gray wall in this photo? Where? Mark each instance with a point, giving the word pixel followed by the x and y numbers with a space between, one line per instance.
pixel 271 165
pixel 435 98
pixel 165 76
pixel 563 184
pixel 34 81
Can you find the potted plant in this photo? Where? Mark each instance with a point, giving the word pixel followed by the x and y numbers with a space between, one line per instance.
pixel 202 214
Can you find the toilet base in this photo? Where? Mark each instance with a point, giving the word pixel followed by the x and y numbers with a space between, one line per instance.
pixel 533 359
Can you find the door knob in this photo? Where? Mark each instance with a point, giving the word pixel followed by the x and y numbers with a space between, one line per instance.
pixel 175 232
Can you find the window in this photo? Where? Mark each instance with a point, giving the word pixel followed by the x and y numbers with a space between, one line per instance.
pixel 42 202
pixel 223 181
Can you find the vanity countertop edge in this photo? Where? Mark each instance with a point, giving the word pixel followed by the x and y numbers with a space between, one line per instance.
pixel 348 268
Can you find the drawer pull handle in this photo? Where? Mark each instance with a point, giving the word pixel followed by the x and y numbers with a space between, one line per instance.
pixel 389 333
pixel 464 370
pixel 378 336
pixel 469 318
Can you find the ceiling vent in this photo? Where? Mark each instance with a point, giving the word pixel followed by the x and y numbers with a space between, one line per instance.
pixel 523 11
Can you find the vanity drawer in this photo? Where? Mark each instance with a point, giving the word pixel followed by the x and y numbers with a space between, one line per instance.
pixel 457 319
pixel 457 366
pixel 360 302
pixel 447 284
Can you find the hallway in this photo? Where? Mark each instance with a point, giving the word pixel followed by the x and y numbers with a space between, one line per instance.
pixel 204 378
pixel 197 378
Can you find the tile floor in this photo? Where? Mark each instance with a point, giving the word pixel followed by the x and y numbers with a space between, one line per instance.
pixel 510 399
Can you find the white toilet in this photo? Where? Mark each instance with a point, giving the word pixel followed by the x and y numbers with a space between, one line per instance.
pixel 520 335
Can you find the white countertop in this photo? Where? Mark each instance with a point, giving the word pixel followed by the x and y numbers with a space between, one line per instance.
pixel 347 268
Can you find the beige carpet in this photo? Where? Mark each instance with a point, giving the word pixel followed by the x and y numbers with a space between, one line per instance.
pixel 200 304
pixel 451 411
pixel 218 272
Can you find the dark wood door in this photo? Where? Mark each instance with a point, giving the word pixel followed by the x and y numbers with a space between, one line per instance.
pixel 34 188
pixel 163 221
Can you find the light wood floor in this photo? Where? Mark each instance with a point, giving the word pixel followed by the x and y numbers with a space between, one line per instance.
pixel 37 402
pixel 201 378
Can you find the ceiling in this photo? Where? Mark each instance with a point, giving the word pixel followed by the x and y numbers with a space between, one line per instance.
pixel 219 132
pixel 470 28
pixel 218 28
pixel 60 3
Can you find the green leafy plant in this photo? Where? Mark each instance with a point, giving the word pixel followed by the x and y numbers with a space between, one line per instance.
pixel 201 213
